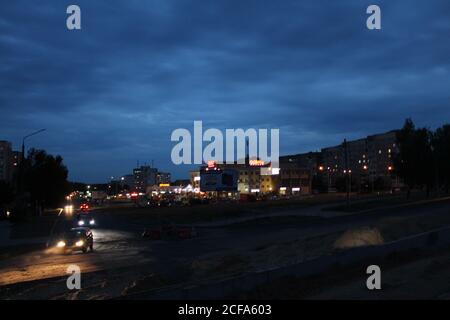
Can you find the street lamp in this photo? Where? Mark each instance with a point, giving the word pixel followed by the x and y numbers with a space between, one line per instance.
pixel 26 137
pixel 21 168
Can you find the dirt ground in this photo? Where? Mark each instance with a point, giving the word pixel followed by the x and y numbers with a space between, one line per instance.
pixel 130 278
pixel 410 275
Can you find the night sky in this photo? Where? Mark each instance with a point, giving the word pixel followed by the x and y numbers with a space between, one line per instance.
pixel 112 93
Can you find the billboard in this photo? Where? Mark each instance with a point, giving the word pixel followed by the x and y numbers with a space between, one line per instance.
pixel 218 180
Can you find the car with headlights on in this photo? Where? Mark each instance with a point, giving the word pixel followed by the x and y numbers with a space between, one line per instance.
pixel 75 239
pixel 85 220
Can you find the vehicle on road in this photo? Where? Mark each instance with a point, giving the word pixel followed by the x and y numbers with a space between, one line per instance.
pixel 84 207
pixel 85 220
pixel 76 239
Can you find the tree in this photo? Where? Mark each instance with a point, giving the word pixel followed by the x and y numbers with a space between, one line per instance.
pixel 404 162
pixel 6 197
pixel 45 178
pixel 414 161
pixel 441 149
pixel 424 158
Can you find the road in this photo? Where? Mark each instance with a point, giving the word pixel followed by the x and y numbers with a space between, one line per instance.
pixel 124 262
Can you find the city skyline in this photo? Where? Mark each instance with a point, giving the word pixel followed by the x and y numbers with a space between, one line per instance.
pixel 150 164
pixel 318 75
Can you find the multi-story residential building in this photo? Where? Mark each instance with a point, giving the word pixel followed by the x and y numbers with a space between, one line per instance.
pixel 310 160
pixel 144 176
pixel 368 159
pixel 381 150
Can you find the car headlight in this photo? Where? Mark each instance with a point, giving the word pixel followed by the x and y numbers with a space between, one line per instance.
pixel 61 244
pixel 79 243
pixel 92 222
pixel 81 223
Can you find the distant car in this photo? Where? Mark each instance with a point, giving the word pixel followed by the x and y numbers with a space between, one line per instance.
pixel 76 239
pixel 68 209
pixel 84 207
pixel 85 220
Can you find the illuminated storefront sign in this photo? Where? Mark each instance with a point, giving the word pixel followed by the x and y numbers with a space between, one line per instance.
pixel 211 164
pixel 256 163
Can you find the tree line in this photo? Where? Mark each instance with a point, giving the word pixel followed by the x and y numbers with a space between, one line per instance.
pixel 40 182
pixel 423 160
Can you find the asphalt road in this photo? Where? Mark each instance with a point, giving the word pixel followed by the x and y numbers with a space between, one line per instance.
pixel 121 253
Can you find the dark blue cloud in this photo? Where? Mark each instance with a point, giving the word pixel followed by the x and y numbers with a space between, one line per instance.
pixel 112 93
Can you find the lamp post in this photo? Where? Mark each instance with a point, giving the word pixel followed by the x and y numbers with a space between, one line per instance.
pixel 26 137
pixel 23 157
pixel 349 173
pixel 329 179
pixel 20 186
